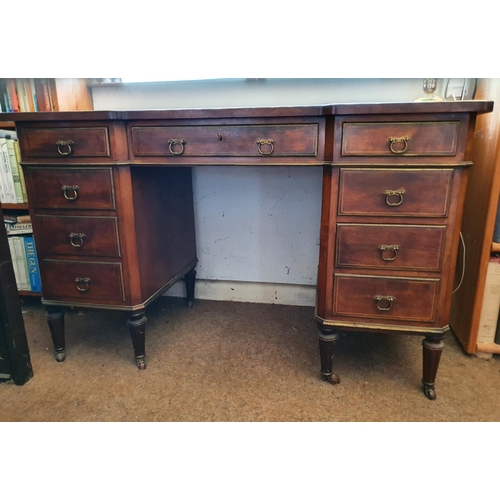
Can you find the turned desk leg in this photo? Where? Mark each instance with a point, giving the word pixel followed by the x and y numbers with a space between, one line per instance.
pixel 432 349
pixel 189 279
pixel 137 327
pixel 327 339
pixel 55 320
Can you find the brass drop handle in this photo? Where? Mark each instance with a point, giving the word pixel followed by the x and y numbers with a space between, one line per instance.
pixel 70 192
pixel 174 142
pixel 398 140
pixel 391 194
pixel 269 149
pixel 384 302
pixel 388 248
pixel 64 147
pixel 76 239
pixel 82 284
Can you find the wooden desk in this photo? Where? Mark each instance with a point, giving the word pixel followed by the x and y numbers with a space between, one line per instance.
pixel 115 229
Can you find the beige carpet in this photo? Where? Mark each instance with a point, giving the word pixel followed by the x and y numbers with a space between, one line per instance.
pixel 225 361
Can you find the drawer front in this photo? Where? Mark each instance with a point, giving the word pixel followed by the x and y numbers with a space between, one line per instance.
pixel 391 192
pixel 82 281
pixel 71 188
pixel 86 236
pixel 219 140
pixel 64 142
pixel 400 139
pixel 384 246
pixel 385 298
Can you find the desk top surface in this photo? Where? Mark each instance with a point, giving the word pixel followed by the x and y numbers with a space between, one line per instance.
pixel 477 106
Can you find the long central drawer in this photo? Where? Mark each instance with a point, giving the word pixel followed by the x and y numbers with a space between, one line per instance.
pixel 226 140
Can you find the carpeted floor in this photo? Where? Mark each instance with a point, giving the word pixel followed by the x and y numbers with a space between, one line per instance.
pixel 230 361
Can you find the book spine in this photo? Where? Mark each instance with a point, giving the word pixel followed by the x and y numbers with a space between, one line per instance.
pixel 14 167
pixel 491 303
pixel 21 262
pixel 11 86
pixel 20 228
pixel 32 262
pixel 8 181
pixel 13 258
pixel 21 172
pixel 29 95
pixel 33 93
pixel 21 94
pixel 42 94
pixel 7 100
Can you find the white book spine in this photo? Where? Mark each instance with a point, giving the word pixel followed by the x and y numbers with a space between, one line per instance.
pixel 491 303
pixel 24 283
pixel 15 264
pixel 7 179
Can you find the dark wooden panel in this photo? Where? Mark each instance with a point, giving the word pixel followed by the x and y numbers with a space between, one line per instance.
pixel 414 300
pixel 425 192
pixel 164 224
pixel 418 248
pixel 95 188
pixel 105 281
pixel 226 140
pixel 84 142
pixel 92 236
pixel 420 139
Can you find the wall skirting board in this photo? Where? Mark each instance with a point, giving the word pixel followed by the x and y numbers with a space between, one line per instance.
pixel 245 291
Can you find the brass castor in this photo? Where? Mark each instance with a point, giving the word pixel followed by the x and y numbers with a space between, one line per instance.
pixel 60 356
pixel 332 378
pixel 190 303
pixel 429 392
pixel 141 363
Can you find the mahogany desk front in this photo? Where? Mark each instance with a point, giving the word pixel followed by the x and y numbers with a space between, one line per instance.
pixel 115 228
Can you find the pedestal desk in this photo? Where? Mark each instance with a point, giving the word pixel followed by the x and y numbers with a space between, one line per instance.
pixel 110 197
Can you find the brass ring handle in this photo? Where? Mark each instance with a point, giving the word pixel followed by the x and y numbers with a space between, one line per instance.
pixel 390 193
pixel 86 284
pixel 173 142
pixel 398 140
pixel 266 142
pixel 70 192
pixel 384 302
pixel 76 239
pixel 66 147
pixel 388 248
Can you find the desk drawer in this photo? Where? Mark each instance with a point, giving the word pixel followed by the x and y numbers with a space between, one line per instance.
pixel 395 192
pixel 71 188
pixel 84 281
pixel 384 246
pixel 64 142
pixel 383 298
pixel 226 140
pixel 86 236
pixel 392 139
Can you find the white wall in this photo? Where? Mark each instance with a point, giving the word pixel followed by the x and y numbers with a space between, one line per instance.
pixel 257 229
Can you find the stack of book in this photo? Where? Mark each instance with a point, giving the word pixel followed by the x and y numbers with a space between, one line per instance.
pixel 25 263
pixel 23 252
pixel 12 183
pixel 26 94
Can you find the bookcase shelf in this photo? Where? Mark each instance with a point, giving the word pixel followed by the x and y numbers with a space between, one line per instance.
pixel 62 94
pixel 15 206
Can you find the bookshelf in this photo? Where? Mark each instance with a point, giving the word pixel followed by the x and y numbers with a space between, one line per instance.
pixel 478 223
pixel 59 94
